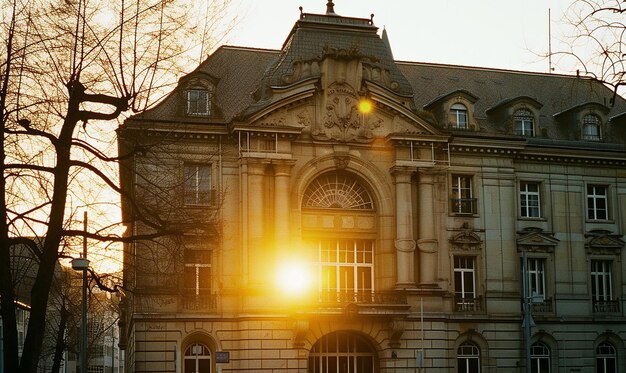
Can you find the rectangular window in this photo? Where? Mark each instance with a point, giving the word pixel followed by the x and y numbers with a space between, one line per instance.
pixel 346 270
pixel 465 283
pixel 197 184
pixel 601 288
pixel 197 277
pixel 459 116
pixel 597 202
pixel 537 279
pixel 197 271
pixel 461 200
pixel 530 202
pixel 525 127
pixel 198 102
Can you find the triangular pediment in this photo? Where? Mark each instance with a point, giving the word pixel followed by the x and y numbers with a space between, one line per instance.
pixel 602 241
pixel 535 239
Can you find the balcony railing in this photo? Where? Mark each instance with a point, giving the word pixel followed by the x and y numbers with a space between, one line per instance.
pixel 541 306
pixel 463 205
pixel 468 304
pixel 606 306
pixel 200 302
pixel 361 297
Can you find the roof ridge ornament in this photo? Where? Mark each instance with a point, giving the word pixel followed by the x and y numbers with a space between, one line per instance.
pixel 330 8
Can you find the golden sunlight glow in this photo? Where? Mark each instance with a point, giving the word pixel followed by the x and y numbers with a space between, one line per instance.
pixel 365 106
pixel 293 278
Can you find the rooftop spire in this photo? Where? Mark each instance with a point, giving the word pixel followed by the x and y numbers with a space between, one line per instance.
pixel 330 7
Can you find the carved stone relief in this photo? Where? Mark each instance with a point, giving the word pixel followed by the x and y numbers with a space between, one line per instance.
pixel 467 240
pixel 379 75
pixel 302 70
pixel 342 121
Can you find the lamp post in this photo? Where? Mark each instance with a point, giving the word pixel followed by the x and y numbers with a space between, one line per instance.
pixel 527 315
pixel 81 264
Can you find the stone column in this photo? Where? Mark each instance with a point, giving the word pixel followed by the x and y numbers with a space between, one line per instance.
pixel 282 174
pixel 427 241
pixel 256 259
pixel 404 243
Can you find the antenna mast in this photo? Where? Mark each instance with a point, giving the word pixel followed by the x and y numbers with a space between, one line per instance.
pixel 550 69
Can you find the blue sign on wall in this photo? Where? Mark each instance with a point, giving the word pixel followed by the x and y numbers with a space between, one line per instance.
pixel 222 356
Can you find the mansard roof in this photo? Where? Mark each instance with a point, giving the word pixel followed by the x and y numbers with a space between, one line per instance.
pixel 557 93
pixel 245 77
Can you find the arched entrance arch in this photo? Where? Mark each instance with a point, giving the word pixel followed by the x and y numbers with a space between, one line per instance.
pixel 197 359
pixel 342 352
pixel 197 350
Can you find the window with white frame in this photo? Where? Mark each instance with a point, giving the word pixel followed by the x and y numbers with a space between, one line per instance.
pixel 197 359
pixel 346 269
pixel 337 190
pixel 342 352
pixel 461 198
pixel 198 102
pixel 530 200
pixel 468 358
pixel 597 202
pixel 601 282
pixel 465 283
pixel 536 279
pixel 458 116
pixel 197 271
pixel 591 127
pixel 606 358
pixel 197 184
pixel 524 125
pixel 539 358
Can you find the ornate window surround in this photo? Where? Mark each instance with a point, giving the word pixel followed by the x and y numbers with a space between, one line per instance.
pixel 505 112
pixel 441 107
pixel 203 86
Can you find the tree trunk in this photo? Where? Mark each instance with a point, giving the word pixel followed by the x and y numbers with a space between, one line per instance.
pixel 41 288
pixel 59 346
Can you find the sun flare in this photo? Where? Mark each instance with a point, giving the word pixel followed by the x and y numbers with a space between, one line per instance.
pixel 293 278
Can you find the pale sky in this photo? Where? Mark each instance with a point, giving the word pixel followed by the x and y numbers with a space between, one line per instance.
pixel 508 34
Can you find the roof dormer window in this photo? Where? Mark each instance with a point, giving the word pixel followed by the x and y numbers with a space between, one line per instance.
pixel 198 102
pixel 458 116
pixel 524 123
pixel 591 128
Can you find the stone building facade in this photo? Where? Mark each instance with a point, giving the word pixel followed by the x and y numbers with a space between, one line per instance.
pixel 418 198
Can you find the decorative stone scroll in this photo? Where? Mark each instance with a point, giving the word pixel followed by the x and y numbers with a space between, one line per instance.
pixel 467 240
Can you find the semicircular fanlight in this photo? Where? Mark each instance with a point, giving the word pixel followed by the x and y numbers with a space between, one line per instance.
pixel 337 190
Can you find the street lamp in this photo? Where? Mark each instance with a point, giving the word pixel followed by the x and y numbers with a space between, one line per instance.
pixel 528 318
pixel 81 264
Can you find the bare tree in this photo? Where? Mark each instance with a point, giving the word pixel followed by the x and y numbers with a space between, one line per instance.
pixel 597 45
pixel 69 69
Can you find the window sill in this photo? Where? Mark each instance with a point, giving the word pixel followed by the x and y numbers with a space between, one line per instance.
pixel 464 214
pixel 524 218
pixel 599 221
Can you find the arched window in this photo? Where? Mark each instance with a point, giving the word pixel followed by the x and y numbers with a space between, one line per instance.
pixel 337 190
pixel 458 115
pixel 591 128
pixel 345 256
pixel 468 358
pixel 606 358
pixel 197 359
pixel 524 125
pixel 342 352
pixel 539 358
